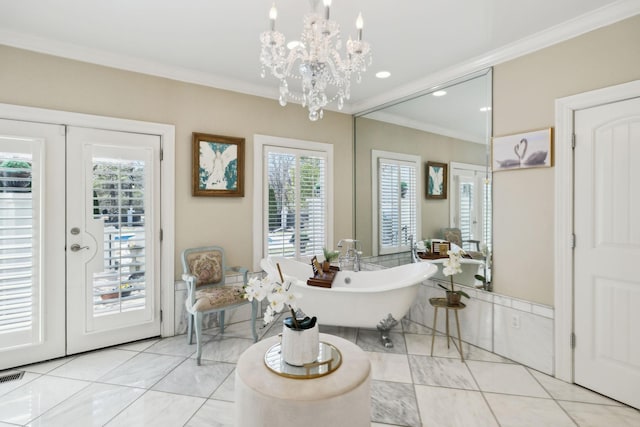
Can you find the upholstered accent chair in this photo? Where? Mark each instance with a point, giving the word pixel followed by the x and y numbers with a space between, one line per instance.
pixel 454 235
pixel 204 271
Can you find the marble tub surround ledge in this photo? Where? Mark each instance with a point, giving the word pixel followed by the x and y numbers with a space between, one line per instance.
pixel 515 329
pixel 518 330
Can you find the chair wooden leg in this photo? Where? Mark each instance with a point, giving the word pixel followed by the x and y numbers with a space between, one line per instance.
pixel 198 327
pixel 254 310
pixel 221 320
pixel 189 328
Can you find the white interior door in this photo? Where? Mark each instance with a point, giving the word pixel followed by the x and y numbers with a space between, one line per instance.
pixel 32 287
pixel 113 237
pixel 607 228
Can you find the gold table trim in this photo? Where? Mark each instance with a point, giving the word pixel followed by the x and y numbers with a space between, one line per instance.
pixel 321 367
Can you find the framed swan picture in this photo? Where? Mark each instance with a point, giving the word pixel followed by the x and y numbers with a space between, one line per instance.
pixel 436 180
pixel 523 150
pixel 217 165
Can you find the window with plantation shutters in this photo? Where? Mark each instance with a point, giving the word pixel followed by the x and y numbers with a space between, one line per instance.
pixel 396 201
pixel 18 284
pixel 295 201
pixel 470 208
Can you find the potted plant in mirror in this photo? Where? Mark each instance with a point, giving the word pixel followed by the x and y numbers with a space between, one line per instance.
pixel 329 256
pixel 453 266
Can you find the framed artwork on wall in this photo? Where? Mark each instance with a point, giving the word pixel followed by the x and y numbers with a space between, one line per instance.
pixel 217 165
pixel 436 180
pixel 523 150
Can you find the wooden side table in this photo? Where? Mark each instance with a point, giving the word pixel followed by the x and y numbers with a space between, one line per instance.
pixel 442 303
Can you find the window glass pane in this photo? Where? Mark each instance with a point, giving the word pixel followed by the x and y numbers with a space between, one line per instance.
pixel 296 206
pixel 17 281
pixel 466 213
pixel 118 200
pixel 397 203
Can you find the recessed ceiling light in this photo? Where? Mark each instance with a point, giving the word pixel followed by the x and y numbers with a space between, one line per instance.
pixel 383 74
pixel 484 109
pixel 440 93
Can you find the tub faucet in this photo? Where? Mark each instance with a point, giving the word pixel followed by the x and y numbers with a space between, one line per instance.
pixel 414 250
pixel 351 258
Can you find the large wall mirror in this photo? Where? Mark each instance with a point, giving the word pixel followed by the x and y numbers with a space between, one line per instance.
pixel 422 171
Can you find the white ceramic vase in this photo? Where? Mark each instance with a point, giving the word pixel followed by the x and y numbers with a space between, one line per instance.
pixel 300 347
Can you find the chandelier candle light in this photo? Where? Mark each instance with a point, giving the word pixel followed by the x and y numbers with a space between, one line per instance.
pixel 315 60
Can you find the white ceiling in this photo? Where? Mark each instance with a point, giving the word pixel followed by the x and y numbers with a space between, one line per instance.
pixel 215 42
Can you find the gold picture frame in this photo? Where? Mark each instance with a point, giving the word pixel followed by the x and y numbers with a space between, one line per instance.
pixel 217 165
pixel 526 150
pixel 436 180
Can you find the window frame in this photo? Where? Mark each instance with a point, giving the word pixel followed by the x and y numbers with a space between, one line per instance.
pixel 261 185
pixel 416 160
pixel 479 176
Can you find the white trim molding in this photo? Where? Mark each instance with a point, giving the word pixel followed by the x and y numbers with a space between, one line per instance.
pixel 260 187
pixel 564 215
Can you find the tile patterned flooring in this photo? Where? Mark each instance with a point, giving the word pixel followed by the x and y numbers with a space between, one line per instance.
pixel 157 383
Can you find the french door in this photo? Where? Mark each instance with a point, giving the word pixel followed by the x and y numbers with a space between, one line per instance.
pixel 113 232
pixel 32 257
pixel 79 239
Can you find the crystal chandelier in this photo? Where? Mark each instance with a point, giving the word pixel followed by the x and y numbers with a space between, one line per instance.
pixel 315 59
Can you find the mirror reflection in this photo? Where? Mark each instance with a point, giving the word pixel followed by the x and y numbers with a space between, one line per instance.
pixel 422 178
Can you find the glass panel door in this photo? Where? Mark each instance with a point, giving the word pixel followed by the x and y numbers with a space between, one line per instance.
pixel 31 285
pixel 112 238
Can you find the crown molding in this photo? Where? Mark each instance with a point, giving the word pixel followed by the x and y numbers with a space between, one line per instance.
pixel 130 63
pixel 599 18
pixel 425 127
pixel 582 24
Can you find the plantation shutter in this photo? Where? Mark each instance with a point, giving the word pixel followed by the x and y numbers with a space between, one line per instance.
pixel 487 213
pixel 119 201
pixel 296 206
pixel 467 215
pixel 397 204
pixel 19 282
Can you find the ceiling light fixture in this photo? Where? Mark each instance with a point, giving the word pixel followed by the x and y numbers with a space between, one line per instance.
pixel 440 93
pixel 383 74
pixel 316 60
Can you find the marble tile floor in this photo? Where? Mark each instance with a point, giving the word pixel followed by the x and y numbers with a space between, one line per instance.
pixel 156 383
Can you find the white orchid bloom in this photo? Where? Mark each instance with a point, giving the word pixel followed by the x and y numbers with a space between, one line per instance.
pixel 276 300
pixel 269 315
pixel 452 264
pixel 279 295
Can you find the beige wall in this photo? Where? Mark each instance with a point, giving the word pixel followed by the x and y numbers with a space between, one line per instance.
pixel 37 80
pixel 524 92
pixel 376 135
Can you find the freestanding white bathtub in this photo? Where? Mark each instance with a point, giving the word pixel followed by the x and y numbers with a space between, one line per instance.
pixel 356 299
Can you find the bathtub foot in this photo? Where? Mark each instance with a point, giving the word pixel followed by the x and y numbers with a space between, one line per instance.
pixel 384 327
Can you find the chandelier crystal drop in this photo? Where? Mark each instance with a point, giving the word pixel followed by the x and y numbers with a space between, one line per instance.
pixel 315 60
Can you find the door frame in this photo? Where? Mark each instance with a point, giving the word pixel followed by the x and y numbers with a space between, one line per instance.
pixel 564 226
pixel 167 179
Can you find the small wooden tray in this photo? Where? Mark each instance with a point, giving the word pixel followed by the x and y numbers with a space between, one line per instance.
pixel 323 280
pixel 431 255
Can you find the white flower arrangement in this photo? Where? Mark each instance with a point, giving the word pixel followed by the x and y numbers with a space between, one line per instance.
pixel 453 266
pixel 279 295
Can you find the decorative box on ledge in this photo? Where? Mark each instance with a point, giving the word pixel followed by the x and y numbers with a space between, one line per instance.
pixel 431 255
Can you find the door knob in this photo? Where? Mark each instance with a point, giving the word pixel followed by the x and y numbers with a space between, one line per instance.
pixel 76 247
